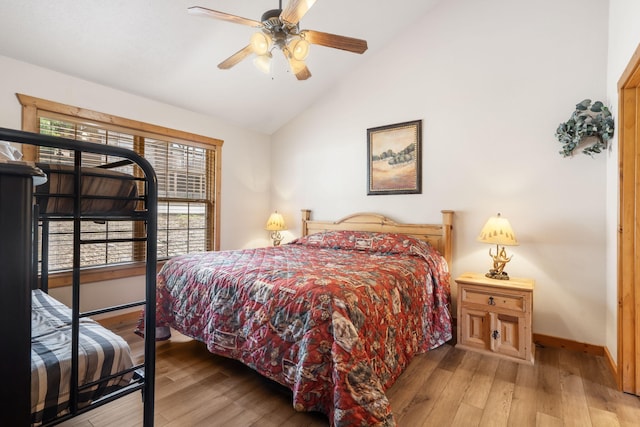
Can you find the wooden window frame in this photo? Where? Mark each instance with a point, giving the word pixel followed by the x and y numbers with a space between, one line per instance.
pixel 32 108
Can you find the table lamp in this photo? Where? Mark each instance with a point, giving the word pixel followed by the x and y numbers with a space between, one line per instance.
pixel 275 224
pixel 498 231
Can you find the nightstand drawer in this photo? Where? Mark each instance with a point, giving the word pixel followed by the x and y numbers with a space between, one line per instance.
pixel 499 299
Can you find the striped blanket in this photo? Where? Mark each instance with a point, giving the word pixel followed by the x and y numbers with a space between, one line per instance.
pixel 101 353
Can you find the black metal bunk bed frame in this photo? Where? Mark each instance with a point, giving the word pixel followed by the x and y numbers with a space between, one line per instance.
pixel 144 374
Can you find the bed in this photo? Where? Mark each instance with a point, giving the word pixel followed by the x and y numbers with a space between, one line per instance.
pixel 101 354
pixel 102 189
pixel 335 316
pixel 75 363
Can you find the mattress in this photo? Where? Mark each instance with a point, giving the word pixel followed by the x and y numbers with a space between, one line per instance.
pixel 104 191
pixel 101 354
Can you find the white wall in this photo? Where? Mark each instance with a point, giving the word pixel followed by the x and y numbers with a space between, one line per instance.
pixel 245 157
pixel 624 38
pixel 491 81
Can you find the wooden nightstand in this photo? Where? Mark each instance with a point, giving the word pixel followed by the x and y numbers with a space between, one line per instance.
pixel 494 316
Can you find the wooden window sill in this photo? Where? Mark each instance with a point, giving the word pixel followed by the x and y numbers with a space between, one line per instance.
pixel 100 274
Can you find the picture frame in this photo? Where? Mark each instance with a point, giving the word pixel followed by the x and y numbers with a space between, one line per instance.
pixel 394 159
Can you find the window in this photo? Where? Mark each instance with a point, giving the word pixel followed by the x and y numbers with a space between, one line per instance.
pixel 187 167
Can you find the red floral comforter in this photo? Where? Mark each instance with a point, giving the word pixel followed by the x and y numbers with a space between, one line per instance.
pixel 335 317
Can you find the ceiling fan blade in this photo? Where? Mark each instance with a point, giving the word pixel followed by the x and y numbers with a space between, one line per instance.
pixel 235 58
pixel 349 44
pixel 295 10
pixel 297 67
pixel 303 74
pixel 203 11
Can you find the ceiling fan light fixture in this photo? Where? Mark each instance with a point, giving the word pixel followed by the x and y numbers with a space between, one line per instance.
pixel 299 48
pixel 280 28
pixel 260 43
pixel 263 63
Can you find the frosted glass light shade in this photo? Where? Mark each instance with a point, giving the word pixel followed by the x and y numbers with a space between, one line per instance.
pixel 260 43
pixel 299 48
pixel 263 63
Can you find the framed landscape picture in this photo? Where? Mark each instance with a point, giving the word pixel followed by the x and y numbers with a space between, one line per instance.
pixel 395 158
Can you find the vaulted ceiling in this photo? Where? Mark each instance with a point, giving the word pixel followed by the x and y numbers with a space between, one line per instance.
pixel 155 49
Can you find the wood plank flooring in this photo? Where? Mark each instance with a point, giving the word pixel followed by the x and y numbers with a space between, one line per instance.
pixel 445 387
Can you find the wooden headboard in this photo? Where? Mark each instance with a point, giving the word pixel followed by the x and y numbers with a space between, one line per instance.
pixel 438 235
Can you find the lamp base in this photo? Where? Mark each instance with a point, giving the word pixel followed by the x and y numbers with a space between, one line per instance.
pixel 499 275
pixel 276 237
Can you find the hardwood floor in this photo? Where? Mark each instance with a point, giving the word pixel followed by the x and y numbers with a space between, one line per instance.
pixel 445 387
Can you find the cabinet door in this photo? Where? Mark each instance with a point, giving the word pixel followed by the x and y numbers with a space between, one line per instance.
pixel 475 331
pixel 506 335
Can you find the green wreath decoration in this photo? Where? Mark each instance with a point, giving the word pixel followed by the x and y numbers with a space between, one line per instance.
pixel 586 121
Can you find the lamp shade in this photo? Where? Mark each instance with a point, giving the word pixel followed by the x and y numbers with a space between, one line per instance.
pixel 498 231
pixel 299 48
pixel 276 222
pixel 260 43
pixel 263 62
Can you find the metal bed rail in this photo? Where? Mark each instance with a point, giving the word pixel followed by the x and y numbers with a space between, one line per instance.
pixel 146 380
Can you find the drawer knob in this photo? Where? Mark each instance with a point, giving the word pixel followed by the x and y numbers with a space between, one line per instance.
pixel 491 301
pixel 495 335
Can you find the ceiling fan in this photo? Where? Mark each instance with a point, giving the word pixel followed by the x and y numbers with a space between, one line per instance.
pixel 280 29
